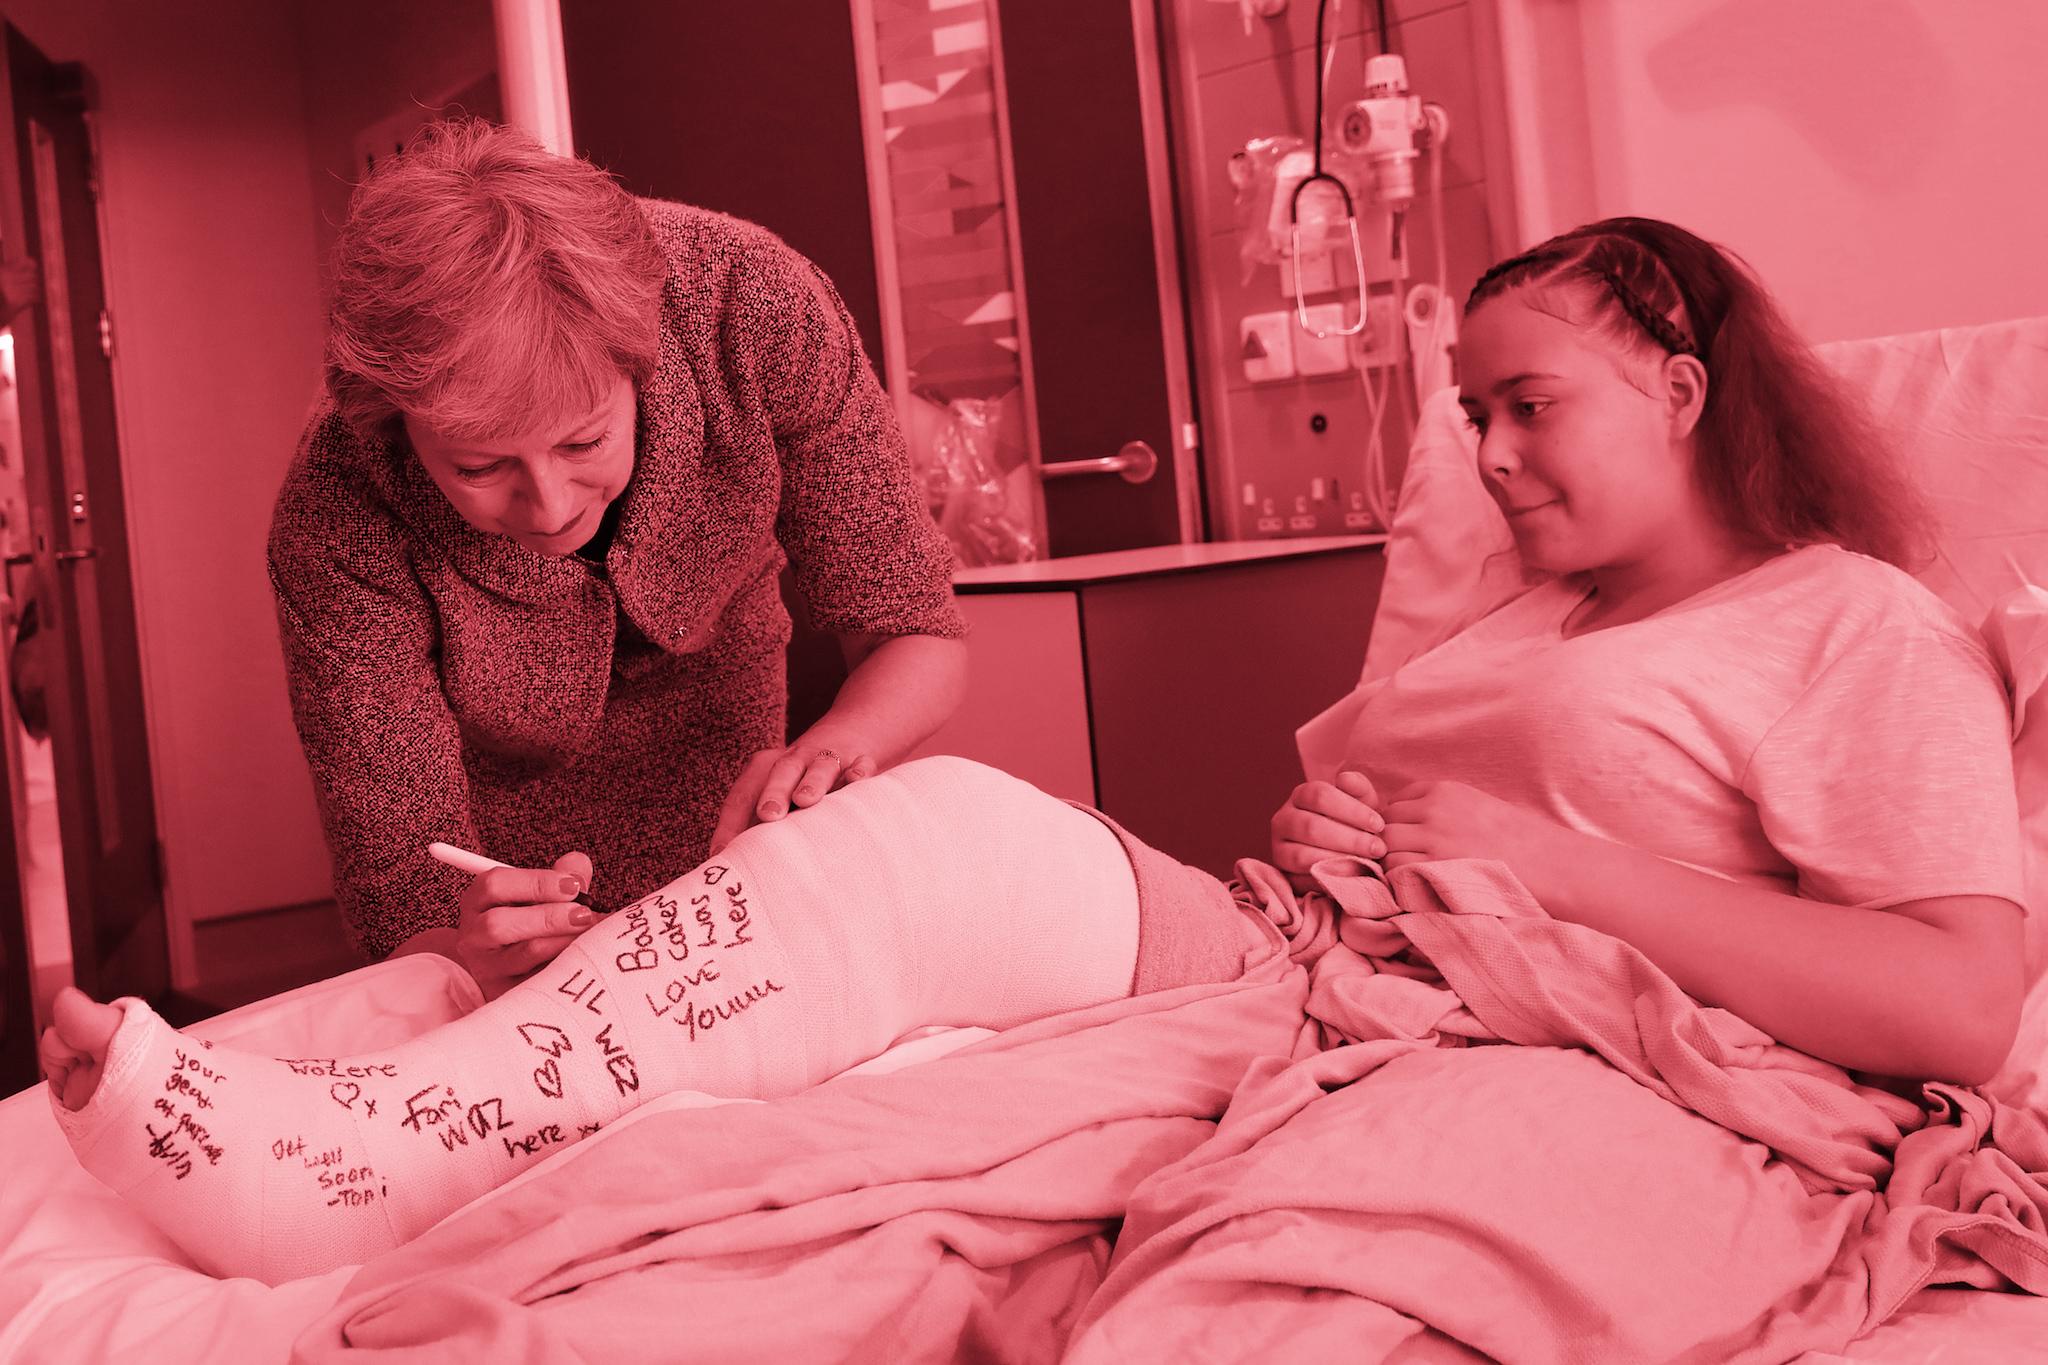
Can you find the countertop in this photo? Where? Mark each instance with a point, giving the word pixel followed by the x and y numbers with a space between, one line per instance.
pixel 1080 570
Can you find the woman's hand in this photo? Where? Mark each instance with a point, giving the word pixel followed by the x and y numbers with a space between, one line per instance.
pixel 1328 820
pixel 516 919
pixel 1431 820
pixel 775 780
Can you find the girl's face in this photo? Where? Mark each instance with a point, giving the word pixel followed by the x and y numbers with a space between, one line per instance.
pixel 1591 470
pixel 546 489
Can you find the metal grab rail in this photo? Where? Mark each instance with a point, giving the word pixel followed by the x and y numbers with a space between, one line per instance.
pixel 1137 462
pixel 61 556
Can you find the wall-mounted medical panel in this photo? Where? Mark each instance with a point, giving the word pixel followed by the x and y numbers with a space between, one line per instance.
pixel 1301 475
pixel 1285 441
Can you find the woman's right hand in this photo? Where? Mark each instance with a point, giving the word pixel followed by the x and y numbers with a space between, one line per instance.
pixel 1322 820
pixel 516 919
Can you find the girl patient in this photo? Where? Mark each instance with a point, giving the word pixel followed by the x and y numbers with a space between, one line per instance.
pixel 938 892
pixel 1728 730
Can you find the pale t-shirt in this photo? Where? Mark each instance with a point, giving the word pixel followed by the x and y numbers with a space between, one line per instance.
pixel 1821 724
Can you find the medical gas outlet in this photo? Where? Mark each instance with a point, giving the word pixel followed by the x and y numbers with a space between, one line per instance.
pixel 1381 129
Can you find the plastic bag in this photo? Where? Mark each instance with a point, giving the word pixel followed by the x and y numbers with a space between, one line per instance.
pixel 1254 173
pixel 1266 174
pixel 957 464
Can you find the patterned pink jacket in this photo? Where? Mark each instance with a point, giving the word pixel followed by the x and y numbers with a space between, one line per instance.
pixel 448 683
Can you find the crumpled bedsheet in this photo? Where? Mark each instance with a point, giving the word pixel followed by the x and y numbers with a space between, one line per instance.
pixel 1638 1178
pixel 961 1209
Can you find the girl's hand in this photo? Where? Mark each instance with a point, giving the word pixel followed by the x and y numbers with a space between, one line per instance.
pixel 1328 820
pixel 516 919
pixel 1432 820
pixel 775 780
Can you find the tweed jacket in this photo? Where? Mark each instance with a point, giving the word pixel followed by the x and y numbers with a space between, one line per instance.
pixel 449 683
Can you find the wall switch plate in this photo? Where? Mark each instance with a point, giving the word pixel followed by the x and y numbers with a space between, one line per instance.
pixel 1322 355
pixel 1266 346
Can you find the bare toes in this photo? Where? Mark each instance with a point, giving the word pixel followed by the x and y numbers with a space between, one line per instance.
pixel 84 1025
pixel 55 1058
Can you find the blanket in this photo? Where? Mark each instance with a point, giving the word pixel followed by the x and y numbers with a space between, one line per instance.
pixel 1523 1140
pixel 960 1209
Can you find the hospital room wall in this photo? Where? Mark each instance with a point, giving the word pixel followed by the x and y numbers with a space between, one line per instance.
pixel 1286 453
pixel 1877 161
pixel 213 290
pixel 227 133
pixel 386 65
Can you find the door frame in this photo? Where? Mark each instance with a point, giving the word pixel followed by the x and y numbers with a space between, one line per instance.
pixel 1167 255
pixel 119 921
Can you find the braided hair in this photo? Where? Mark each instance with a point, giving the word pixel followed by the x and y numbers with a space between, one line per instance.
pixel 1786 454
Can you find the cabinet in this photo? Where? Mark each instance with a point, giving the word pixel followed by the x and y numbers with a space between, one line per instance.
pixel 1164 685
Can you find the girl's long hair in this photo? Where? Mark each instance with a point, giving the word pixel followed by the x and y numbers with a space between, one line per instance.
pixel 1786 453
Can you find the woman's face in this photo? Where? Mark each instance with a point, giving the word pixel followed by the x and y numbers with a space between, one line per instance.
pixel 1591 470
pixel 547 488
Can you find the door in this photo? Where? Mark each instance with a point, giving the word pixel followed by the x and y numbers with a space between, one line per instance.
pixel 761 115
pixel 1097 242
pixel 77 564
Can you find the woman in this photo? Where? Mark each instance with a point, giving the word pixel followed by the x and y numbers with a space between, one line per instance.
pixel 526 557
pixel 1729 731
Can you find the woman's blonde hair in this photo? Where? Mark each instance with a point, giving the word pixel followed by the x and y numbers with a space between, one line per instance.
pixel 484 286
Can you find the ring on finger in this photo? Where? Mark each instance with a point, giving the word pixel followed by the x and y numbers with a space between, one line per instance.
pixel 809 789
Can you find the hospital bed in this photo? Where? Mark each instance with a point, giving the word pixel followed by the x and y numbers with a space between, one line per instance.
pixel 84 1279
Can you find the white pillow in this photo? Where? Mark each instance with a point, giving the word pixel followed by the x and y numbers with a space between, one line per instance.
pixel 1450 555
pixel 2017 631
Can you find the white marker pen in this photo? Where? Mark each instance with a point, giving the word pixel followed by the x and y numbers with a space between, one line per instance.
pixel 475 864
